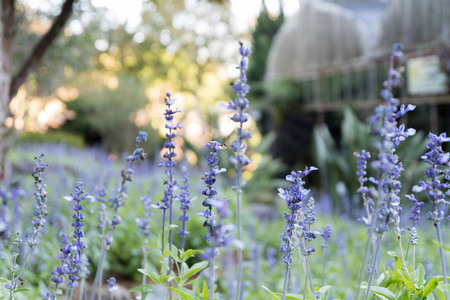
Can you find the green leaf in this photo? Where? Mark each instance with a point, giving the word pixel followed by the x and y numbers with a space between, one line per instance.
pixel 172 226
pixel 167 278
pixel 419 275
pixel 143 289
pixel 442 246
pixel 153 276
pixel 185 294
pixel 185 255
pixel 271 293
pixel 324 291
pixel 406 279
pixel 430 297
pixel 196 268
pixel 172 254
pixel 197 284
pixel 290 296
pixel 430 286
pixel 205 291
pixel 381 291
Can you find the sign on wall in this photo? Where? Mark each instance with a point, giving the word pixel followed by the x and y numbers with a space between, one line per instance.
pixel 425 77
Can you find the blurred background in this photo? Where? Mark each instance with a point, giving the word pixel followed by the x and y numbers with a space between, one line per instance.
pixel 316 71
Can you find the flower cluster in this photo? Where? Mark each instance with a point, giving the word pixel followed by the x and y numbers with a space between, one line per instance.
pixel 169 164
pixel 293 197
pixel 127 175
pixel 384 126
pixel 13 284
pixel 310 218
pixel 240 105
pixel 78 245
pixel 185 200
pixel 217 234
pixel 361 172
pixel 112 284
pixel 40 195
pixel 438 161
pixel 326 235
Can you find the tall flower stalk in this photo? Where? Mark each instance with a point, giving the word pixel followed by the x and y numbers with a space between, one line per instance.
pixel 308 236
pixel 169 164
pixel 438 161
pixel 389 135
pixel 72 264
pixel 37 222
pixel 326 235
pixel 414 217
pixel 185 200
pixel 293 196
pixel 144 224
pixel 216 235
pixel 239 160
pixel 116 202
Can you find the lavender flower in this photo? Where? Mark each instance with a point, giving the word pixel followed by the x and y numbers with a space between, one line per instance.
pixel 326 235
pixel 169 164
pixel 384 126
pixel 293 197
pixel 310 218
pixel 217 235
pixel 389 135
pixel 415 210
pixel 240 105
pixel 37 222
pixel 65 269
pixel 78 245
pixel 185 200
pixel 112 284
pixel 438 161
pixel 211 200
pixel 118 201
pixel 363 157
pixel 40 195
pixel 100 194
pixel 13 284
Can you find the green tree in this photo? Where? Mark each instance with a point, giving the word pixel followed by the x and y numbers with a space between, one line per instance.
pixel 9 82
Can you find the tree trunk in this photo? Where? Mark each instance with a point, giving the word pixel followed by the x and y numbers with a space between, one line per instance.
pixel 10 85
pixel 6 37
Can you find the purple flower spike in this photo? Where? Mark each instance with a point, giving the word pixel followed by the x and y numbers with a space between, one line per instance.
pixel 293 196
pixel 438 161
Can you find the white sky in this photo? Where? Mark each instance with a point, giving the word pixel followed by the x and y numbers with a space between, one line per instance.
pixel 246 11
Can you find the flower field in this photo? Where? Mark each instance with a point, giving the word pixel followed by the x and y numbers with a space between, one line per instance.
pixel 88 225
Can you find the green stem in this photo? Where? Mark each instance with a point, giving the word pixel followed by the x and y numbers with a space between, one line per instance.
pixel 374 263
pixel 413 262
pixel 323 263
pixel 402 257
pixel 144 250
pixel 306 276
pixel 98 276
pixel 286 278
pixel 442 256
pixel 239 233
pixel 211 275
